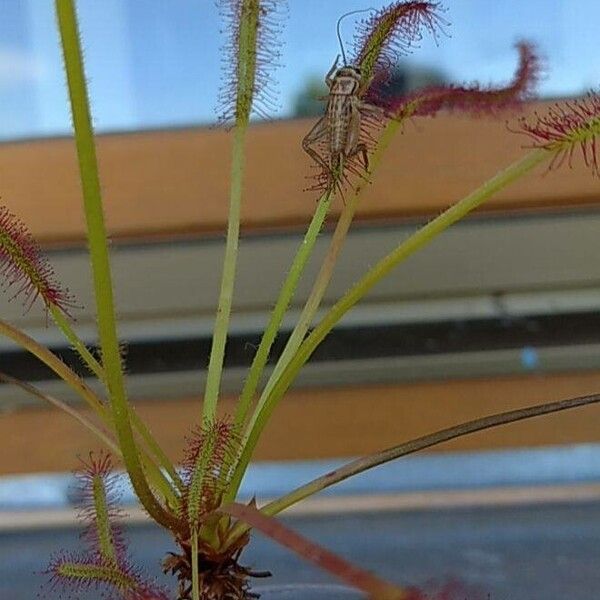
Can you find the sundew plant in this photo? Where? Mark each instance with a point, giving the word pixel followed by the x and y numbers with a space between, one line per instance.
pixel 197 501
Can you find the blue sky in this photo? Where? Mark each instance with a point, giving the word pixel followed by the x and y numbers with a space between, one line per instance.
pixel 153 63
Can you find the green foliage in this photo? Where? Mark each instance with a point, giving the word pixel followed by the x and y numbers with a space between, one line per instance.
pixel 310 100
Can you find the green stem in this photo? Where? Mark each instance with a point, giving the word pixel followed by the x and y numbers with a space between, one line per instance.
pixel 415 242
pixel 246 39
pixel 59 367
pixel 314 299
pixel 427 441
pixel 163 460
pixel 156 476
pixel 87 423
pixel 154 447
pixel 217 353
pixel 77 343
pixel 195 574
pixel 86 393
pixel 283 301
pixel 97 240
pixel 325 273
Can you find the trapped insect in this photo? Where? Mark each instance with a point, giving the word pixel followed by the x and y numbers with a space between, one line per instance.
pixel 336 138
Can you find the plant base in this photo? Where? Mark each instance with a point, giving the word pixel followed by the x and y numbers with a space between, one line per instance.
pixel 221 577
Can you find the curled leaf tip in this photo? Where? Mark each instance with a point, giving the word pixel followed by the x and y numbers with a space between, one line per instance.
pixel 25 270
pixel 565 127
pixel 473 99
pixel 528 74
pixel 250 55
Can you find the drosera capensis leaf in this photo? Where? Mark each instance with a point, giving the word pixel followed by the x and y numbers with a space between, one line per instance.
pixel 99 432
pixel 99 255
pixel 380 270
pixel 99 506
pixel 392 32
pixel 471 99
pixel 427 441
pixel 252 42
pixel 564 128
pixel 25 270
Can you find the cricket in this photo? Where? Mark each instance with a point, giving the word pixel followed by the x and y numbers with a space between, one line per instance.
pixel 336 138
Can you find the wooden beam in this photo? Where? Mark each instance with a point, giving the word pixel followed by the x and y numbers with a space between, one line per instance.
pixel 163 183
pixel 333 422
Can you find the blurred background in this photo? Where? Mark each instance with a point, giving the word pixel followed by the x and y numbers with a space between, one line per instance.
pixel 155 64
pixel 500 312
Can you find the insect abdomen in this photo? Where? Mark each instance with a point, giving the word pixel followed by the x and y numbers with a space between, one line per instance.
pixel 338 113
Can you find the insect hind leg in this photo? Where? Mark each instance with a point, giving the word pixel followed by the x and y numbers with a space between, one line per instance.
pixel 314 136
pixel 360 151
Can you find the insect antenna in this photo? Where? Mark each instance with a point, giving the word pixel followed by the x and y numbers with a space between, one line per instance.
pixel 339 35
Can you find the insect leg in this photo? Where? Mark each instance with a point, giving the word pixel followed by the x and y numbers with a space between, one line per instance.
pixel 362 150
pixel 353 145
pixel 315 135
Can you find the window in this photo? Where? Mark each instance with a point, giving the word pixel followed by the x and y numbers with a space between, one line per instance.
pixel 149 68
